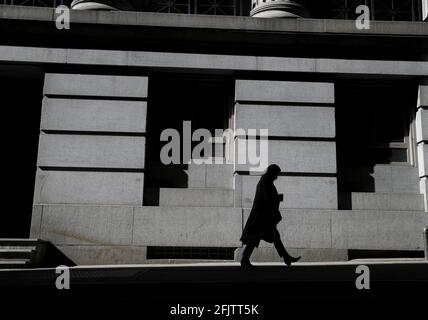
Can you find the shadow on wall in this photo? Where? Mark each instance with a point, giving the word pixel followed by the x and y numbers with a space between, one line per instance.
pixel 21 98
pixel 52 257
pixel 163 176
pixel 373 127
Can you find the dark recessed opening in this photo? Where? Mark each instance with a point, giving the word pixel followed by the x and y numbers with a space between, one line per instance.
pixel 383 254
pixel 21 96
pixel 203 253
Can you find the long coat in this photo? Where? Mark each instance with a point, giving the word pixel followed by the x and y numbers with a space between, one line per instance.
pixel 264 215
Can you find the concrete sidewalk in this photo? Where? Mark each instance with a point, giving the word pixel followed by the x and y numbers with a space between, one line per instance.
pixel 230 272
pixel 312 288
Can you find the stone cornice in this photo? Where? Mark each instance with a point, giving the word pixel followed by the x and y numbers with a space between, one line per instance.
pixel 149 19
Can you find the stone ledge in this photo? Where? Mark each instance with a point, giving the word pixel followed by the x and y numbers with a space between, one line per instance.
pixel 19 54
pixel 150 19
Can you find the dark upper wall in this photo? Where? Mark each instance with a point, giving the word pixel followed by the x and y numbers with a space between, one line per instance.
pixel 215 34
pixel 381 10
pixel 385 10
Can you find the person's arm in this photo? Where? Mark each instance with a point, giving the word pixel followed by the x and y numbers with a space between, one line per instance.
pixel 270 197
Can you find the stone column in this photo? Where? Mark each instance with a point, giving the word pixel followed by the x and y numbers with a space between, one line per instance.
pixel 422 140
pixel 300 120
pixel 111 5
pixel 424 10
pixel 277 9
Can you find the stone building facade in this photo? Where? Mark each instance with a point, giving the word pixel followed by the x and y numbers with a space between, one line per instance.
pixel 346 111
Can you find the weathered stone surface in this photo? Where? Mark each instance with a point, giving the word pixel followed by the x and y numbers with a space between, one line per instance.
pixel 404 179
pixel 36 221
pixel 376 27
pixel 96 255
pixel 422 150
pixel 396 179
pixel 387 201
pixel 149 19
pixel 182 176
pixel 186 60
pixel 94 225
pixel 85 187
pixel 32 54
pixel 95 85
pixel 193 175
pixel 191 226
pixel 381 230
pixel 285 64
pixel 197 197
pixel 382 178
pixel 299 192
pixel 219 176
pixel 287 121
pixel 302 228
pixel 197 176
pixel 284 91
pixel 26 13
pixel 423 185
pixel 197 61
pixel 103 17
pixel 94 115
pixel 421 124
pixel 269 254
pixel 371 67
pixel 114 57
pixel 423 96
pixel 65 150
pixel 291 156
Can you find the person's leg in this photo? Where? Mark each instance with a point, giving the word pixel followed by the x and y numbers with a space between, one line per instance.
pixel 279 246
pixel 246 254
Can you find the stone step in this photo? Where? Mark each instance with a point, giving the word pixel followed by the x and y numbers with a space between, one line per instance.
pixel 387 201
pixel 196 197
pixel 14 264
pixel 18 247
pixel 190 175
pixel 16 253
pixel 382 178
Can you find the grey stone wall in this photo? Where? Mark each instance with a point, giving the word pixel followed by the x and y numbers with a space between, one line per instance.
pixel 120 234
pixel 90 164
pixel 301 124
pixel 92 143
pixel 89 185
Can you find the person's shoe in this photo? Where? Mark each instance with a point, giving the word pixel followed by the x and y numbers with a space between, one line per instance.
pixel 289 260
pixel 246 264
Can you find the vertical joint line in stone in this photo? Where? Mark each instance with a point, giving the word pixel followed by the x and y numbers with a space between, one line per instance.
pixel 242 223
pixel 331 229
pixel 133 226
pixel 206 175
pixel 40 224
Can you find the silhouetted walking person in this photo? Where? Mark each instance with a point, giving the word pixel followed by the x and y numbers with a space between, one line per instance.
pixel 264 216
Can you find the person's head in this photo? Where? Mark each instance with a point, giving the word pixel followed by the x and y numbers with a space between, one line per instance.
pixel 273 171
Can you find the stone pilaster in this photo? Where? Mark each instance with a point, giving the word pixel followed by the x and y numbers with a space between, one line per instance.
pixel 422 140
pixel 300 120
pixel 92 140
